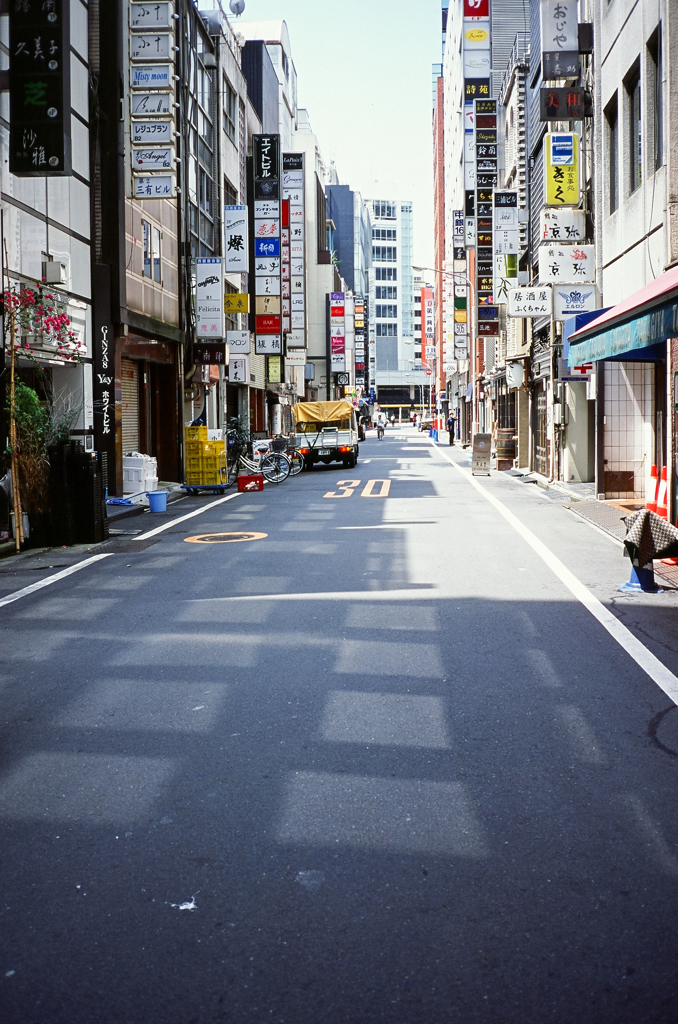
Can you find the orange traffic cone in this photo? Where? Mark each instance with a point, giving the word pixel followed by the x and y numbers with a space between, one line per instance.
pixel 662 500
pixel 652 488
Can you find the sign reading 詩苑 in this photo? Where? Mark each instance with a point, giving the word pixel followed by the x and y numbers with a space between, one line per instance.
pixel 39 88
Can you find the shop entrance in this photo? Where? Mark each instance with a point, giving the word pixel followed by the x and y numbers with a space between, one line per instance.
pixel 149 418
pixel 541 461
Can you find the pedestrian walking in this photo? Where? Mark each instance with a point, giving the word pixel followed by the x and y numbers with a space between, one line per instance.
pixel 451 423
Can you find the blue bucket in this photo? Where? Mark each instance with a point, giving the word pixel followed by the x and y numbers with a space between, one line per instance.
pixel 157 500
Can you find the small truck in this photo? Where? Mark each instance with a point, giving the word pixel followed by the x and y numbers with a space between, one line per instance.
pixel 326 432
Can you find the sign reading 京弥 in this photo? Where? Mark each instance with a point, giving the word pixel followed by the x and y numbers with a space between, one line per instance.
pixel 561 168
pixel 527 302
pixel 562 225
pixel 482 446
pixel 209 298
pixel 236 241
pixel 567 263
pixel 39 88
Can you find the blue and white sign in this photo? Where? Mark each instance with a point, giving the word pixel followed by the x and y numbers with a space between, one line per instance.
pixel 562 149
pixel 267 247
pixel 158 76
pixel 569 300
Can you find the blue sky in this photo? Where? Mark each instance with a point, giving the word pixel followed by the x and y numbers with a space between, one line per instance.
pixel 364 71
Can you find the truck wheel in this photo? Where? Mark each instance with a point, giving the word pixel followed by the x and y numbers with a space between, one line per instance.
pixel 355 458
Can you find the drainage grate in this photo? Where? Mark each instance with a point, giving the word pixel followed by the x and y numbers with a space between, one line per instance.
pixel 607 517
pixel 128 547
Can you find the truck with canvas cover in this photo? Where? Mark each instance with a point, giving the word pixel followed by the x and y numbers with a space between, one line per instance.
pixel 326 432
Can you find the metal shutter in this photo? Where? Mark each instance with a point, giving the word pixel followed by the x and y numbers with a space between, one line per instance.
pixel 130 406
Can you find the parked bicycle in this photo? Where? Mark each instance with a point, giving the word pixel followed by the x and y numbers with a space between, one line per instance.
pixel 274 466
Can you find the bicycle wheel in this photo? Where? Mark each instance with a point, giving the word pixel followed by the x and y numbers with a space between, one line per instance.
pixel 233 472
pixel 275 467
pixel 296 461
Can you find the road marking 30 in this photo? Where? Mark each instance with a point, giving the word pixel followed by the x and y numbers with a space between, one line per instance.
pixel 347 487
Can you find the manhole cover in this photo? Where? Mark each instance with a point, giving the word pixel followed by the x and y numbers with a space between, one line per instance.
pixel 223 538
pixel 664 731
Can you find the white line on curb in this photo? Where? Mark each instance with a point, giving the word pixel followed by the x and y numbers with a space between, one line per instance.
pixel 189 515
pixel 18 594
pixel 643 657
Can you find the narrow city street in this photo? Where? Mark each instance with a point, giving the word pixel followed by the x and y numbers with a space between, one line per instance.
pixel 383 761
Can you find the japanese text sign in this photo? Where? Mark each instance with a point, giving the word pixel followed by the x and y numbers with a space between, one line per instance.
pixel 561 168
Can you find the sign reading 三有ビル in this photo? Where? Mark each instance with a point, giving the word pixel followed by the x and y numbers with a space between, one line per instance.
pixel 39 88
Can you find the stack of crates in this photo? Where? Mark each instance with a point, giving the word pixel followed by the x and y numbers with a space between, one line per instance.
pixel 204 459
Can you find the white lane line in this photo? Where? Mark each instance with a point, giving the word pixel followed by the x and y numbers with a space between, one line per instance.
pixel 189 515
pixel 644 658
pixel 389 526
pixel 18 594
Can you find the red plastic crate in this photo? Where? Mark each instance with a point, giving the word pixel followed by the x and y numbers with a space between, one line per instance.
pixel 255 482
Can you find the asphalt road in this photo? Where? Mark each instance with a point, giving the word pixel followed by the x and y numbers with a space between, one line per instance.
pixel 378 764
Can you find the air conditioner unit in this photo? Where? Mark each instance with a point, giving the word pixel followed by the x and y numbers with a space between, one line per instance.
pixel 53 272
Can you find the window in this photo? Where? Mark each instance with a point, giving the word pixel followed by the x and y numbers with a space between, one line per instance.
pixel 156 255
pixel 387 330
pixel 230 110
pixel 384 235
pixel 386 274
pixel 387 312
pixel 230 193
pixel 146 228
pixel 633 91
pixel 386 293
pixel 385 210
pixel 384 254
pixel 611 116
pixel 656 86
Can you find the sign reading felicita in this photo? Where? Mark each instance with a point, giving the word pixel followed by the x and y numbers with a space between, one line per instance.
pixel 209 298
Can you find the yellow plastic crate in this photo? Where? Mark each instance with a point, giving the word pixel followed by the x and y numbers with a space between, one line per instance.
pixel 193 464
pixel 213 447
pixel 194 448
pixel 210 478
pixel 196 433
pixel 194 477
pixel 211 463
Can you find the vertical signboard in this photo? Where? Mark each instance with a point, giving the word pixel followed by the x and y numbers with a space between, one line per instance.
pixel 506 244
pixel 266 232
pixel 151 126
pixel 561 169
pixel 103 368
pixel 337 309
pixel 559 39
pixel 236 240
pixel 458 315
pixel 485 115
pixel 209 298
pixel 293 193
pixel 39 88
pixel 360 334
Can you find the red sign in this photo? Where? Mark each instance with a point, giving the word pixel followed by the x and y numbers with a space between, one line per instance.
pixel 285 213
pixel 268 325
pixel 337 310
pixel 429 371
pixel 476 8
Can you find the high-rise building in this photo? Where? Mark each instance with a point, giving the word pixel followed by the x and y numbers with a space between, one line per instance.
pixel 391 300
